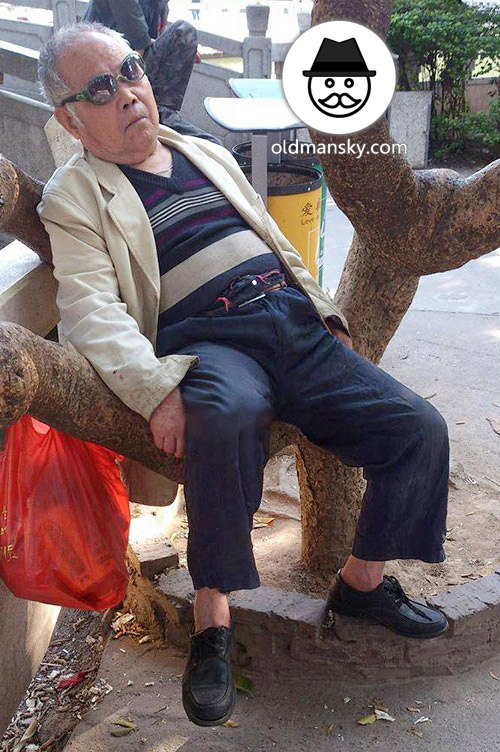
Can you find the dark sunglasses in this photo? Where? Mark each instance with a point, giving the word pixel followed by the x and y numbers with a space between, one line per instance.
pixel 103 88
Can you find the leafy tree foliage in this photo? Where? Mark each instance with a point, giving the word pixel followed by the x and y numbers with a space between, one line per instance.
pixel 440 44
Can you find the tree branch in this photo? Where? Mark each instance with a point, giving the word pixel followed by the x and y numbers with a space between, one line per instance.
pixel 19 197
pixel 376 191
pixel 59 387
pixel 471 225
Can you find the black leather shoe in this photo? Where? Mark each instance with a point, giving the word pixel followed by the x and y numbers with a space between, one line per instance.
pixel 388 604
pixel 208 693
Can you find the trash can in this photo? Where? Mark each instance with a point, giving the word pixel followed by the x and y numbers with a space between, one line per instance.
pixel 243 155
pixel 294 202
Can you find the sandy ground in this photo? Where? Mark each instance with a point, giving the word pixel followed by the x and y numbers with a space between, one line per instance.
pixel 295 715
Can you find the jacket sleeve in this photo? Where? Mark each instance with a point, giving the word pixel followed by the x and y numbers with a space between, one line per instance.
pixel 94 318
pixel 131 22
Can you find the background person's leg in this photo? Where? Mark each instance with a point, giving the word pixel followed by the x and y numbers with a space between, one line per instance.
pixel 345 403
pixel 172 119
pixel 169 63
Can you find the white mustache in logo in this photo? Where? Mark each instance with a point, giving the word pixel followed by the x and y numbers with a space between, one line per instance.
pixel 342 100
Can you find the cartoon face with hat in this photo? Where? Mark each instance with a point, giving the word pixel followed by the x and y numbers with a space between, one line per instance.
pixel 339 79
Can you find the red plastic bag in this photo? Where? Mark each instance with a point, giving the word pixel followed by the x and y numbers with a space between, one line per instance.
pixel 64 519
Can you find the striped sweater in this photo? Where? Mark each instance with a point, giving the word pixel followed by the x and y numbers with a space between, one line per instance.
pixel 202 241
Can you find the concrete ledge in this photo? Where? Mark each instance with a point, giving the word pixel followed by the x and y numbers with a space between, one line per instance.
pixel 27 289
pixel 287 632
pixel 155 556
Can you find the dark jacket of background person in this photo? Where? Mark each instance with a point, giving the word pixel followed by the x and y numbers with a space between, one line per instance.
pixel 138 20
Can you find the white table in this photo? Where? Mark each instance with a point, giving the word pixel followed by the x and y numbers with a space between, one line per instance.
pixel 260 115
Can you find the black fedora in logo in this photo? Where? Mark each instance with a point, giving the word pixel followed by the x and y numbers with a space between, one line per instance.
pixel 339 59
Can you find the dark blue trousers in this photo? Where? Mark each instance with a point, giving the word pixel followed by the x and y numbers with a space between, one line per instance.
pixel 273 359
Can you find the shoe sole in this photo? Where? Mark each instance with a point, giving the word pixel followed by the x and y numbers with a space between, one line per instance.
pixel 217 722
pixel 361 615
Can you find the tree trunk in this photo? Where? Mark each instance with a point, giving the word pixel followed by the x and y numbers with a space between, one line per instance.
pixel 330 495
pixel 374 299
pixel 407 224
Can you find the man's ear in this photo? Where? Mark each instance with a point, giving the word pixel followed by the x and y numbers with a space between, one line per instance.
pixel 66 118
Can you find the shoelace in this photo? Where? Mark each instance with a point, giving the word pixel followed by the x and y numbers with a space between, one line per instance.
pixel 208 645
pixel 395 587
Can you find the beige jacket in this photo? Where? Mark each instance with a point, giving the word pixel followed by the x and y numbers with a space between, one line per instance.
pixel 106 264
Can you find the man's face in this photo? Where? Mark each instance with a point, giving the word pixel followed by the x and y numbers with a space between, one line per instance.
pixel 124 130
pixel 339 96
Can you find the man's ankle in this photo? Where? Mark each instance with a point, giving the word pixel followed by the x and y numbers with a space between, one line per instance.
pixel 211 609
pixel 362 575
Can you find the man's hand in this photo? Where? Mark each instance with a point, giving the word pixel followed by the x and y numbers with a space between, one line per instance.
pixel 168 424
pixel 197 57
pixel 339 333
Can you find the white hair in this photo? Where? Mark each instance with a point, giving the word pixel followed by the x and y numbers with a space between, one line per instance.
pixel 54 87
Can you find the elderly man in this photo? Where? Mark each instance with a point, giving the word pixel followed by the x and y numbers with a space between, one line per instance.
pixel 197 312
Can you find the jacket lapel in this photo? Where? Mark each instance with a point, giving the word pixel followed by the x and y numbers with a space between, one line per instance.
pixel 131 219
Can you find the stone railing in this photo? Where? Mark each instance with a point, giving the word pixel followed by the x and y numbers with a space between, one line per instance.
pixel 27 296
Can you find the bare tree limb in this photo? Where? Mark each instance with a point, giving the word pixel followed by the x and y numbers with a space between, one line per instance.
pixel 19 197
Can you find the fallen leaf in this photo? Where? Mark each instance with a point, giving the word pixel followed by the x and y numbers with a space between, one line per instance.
pixel 494 676
pixel 416 732
pixel 30 731
pixel 48 744
pixel 413 710
pixel 494 424
pixel 121 732
pixel 383 716
pixel 430 396
pixel 231 724
pixel 263 522
pixel 367 719
pixel 460 422
pixel 72 680
pixel 347 699
pixel 126 723
pixel 149 684
pixel 330 729
pixel 120 621
pixel 244 684
pixel 424 719
pixel 379 705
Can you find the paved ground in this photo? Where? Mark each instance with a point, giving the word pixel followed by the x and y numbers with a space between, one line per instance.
pixel 290 715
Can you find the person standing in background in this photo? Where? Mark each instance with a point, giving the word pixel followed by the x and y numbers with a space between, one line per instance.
pixel 169 49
